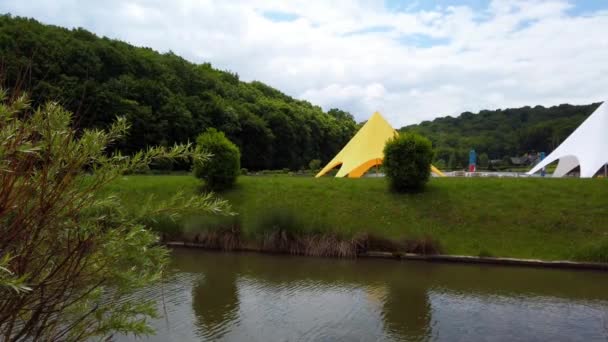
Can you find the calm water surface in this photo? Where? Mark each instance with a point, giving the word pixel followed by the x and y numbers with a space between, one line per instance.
pixel 255 297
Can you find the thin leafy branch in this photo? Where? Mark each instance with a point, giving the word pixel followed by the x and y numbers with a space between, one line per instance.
pixel 70 255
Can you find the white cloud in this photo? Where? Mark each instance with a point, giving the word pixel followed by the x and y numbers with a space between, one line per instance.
pixel 412 65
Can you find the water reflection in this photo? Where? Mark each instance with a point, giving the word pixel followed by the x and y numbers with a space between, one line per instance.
pixel 215 298
pixel 238 297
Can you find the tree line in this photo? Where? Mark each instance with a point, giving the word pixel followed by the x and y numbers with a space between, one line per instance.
pixel 166 98
pixel 500 134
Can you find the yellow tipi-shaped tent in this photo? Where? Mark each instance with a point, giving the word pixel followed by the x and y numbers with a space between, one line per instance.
pixel 365 150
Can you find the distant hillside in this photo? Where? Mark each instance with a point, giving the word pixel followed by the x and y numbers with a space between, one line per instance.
pixel 166 98
pixel 501 133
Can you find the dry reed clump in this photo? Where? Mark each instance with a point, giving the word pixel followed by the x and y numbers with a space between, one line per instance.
pixel 207 232
pixel 280 231
pixel 225 239
pixel 332 245
pixel 366 242
pixel 329 245
pixel 426 245
pixel 311 244
pixel 280 241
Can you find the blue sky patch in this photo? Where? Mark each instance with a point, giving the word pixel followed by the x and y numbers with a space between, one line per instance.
pixel 586 7
pixel 422 40
pixel 579 7
pixel 428 5
pixel 278 16
pixel 524 24
pixel 371 29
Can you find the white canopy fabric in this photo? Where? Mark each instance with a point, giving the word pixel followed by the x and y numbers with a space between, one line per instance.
pixel 586 147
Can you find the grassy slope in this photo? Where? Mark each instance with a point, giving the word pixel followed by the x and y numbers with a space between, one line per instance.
pixel 527 218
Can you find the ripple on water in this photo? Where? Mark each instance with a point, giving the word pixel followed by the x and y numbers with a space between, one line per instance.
pixel 516 318
pixel 307 310
pixel 243 297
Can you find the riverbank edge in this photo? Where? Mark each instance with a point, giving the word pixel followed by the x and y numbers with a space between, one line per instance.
pixel 445 258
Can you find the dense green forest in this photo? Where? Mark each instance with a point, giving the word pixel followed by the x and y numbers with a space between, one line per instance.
pixel 499 134
pixel 166 98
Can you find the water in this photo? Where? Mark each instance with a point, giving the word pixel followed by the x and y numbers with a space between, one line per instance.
pixel 213 296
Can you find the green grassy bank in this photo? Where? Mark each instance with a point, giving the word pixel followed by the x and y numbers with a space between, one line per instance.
pixel 525 218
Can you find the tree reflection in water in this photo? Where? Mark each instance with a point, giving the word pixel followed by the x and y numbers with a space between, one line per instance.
pixel 215 297
pixel 295 295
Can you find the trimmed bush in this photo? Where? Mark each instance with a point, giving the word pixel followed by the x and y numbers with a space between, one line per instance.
pixel 225 165
pixel 407 162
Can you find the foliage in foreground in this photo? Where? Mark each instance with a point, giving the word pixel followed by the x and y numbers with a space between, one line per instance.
pixel 70 257
pixel 221 173
pixel 407 162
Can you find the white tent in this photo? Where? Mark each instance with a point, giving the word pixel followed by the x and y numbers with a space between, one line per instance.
pixel 586 147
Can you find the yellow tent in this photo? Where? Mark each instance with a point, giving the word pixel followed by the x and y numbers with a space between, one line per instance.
pixel 365 150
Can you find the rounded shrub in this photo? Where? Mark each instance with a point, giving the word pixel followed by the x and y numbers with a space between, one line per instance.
pixel 407 162
pixel 221 171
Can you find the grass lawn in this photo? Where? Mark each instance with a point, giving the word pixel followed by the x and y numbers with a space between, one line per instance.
pixel 507 217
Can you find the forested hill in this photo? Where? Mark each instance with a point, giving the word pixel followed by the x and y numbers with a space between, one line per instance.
pixel 501 133
pixel 166 98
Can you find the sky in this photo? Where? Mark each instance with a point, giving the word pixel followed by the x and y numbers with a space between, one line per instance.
pixel 410 60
